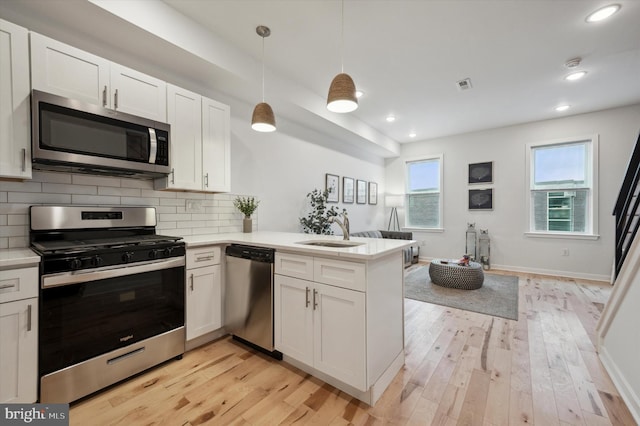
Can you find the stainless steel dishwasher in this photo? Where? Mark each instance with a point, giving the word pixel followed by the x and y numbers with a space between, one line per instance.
pixel 249 296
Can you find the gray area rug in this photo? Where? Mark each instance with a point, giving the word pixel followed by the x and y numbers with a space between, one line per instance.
pixel 498 296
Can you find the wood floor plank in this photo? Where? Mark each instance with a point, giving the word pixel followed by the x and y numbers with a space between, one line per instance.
pixel 461 368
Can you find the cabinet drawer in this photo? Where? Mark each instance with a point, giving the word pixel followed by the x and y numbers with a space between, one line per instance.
pixel 294 265
pixel 16 284
pixel 204 256
pixel 350 275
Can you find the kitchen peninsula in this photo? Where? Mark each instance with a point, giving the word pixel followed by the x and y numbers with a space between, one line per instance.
pixel 338 311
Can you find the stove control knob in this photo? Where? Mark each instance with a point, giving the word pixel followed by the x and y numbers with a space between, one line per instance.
pixel 154 254
pixel 75 263
pixel 127 256
pixel 168 251
pixel 96 260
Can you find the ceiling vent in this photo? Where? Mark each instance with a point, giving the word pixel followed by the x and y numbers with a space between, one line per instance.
pixel 464 84
pixel 573 63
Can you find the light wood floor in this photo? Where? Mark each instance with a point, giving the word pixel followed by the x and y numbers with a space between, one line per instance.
pixel 462 368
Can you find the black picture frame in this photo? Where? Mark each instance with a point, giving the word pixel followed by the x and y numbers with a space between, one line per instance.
pixel 361 191
pixel 348 190
pixel 373 193
pixel 481 199
pixel 332 185
pixel 481 173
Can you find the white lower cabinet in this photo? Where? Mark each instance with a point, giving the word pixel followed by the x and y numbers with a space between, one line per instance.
pixel 19 335
pixel 322 326
pixel 203 292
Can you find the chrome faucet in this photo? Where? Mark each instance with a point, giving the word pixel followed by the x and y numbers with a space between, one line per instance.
pixel 344 224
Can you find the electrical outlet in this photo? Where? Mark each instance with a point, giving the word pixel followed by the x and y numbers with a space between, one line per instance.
pixel 194 206
pixel 565 252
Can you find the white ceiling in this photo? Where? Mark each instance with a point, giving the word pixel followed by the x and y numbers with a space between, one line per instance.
pixel 407 56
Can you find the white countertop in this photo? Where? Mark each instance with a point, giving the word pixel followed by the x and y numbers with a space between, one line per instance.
pixel 288 241
pixel 18 257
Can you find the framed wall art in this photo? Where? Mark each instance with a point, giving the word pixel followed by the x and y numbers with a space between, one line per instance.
pixel 361 191
pixel 481 199
pixel 373 193
pixel 347 190
pixel 332 184
pixel 481 172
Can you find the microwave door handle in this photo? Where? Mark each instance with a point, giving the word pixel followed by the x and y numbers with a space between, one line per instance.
pixel 153 146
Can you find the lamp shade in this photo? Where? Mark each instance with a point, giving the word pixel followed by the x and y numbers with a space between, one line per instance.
pixel 263 119
pixel 342 94
pixel 394 200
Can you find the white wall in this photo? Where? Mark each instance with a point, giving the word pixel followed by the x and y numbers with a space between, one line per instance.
pixel 507 222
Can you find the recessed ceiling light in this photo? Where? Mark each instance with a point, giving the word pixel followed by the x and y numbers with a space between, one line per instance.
pixel 603 13
pixel 412 135
pixel 562 108
pixel 390 119
pixel 359 93
pixel 575 75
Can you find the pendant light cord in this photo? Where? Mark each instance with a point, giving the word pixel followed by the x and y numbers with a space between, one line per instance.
pixel 342 40
pixel 262 68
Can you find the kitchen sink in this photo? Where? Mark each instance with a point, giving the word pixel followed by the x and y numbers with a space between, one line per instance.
pixel 327 243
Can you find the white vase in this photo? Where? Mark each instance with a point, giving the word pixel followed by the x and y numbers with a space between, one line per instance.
pixel 247 224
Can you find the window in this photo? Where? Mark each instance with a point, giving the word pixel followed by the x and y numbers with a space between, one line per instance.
pixel 424 194
pixel 562 186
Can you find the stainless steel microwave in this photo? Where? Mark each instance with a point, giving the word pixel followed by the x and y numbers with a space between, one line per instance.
pixel 74 136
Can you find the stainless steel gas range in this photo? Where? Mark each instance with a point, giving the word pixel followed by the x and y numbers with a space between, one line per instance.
pixel 111 296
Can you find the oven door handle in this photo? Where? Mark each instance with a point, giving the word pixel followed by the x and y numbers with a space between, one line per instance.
pixel 74 277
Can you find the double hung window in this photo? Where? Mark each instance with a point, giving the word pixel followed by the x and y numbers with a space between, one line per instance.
pixel 424 193
pixel 562 177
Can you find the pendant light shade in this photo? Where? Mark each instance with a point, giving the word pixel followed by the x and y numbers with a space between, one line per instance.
pixel 263 119
pixel 342 94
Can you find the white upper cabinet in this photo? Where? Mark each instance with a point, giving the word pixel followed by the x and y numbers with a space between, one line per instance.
pixel 216 146
pixel 15 116
pixel 64 70
pixel 200 143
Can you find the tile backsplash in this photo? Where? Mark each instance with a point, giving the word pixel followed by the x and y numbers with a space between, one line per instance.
pixel 178 213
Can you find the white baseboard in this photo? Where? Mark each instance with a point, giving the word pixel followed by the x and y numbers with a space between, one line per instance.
pixel 626 391
pixel 524 269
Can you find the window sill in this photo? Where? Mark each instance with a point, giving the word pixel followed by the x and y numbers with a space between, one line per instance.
pixel 423 229
pixel 561 235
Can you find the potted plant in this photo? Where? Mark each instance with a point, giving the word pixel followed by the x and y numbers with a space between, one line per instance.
pixel 246 205
pixel 317 221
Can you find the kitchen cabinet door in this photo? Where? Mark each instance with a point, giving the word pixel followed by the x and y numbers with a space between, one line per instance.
pixel 203 301
pixel 63 70
pixel 184 116
pixel 339 334
pixel 216 146
pixel 293 318
pixel 19 351
pixel 15 114
pixel 139 94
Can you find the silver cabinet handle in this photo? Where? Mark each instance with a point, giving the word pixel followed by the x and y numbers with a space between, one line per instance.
pixel 315 302
pixel 24 159
pixel 104 96
pixel 115 100
pixel 306 305
pixel 191 285
pixel 28 317
pixel 203 258
pixel 206 180
pixel 173 176
pixel 6 286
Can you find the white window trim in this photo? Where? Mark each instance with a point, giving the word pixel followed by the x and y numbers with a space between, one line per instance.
pixel 592 233
pixel 440 158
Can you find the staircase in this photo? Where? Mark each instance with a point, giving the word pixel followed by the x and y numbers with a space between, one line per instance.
pixel 626 209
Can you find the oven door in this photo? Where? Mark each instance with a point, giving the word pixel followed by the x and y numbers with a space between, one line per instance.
pixel 84 314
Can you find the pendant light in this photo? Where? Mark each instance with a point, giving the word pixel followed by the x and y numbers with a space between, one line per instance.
pixel 263 119
pixel 342 92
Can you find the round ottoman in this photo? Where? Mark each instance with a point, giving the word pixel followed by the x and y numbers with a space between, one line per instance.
pixel 452 275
